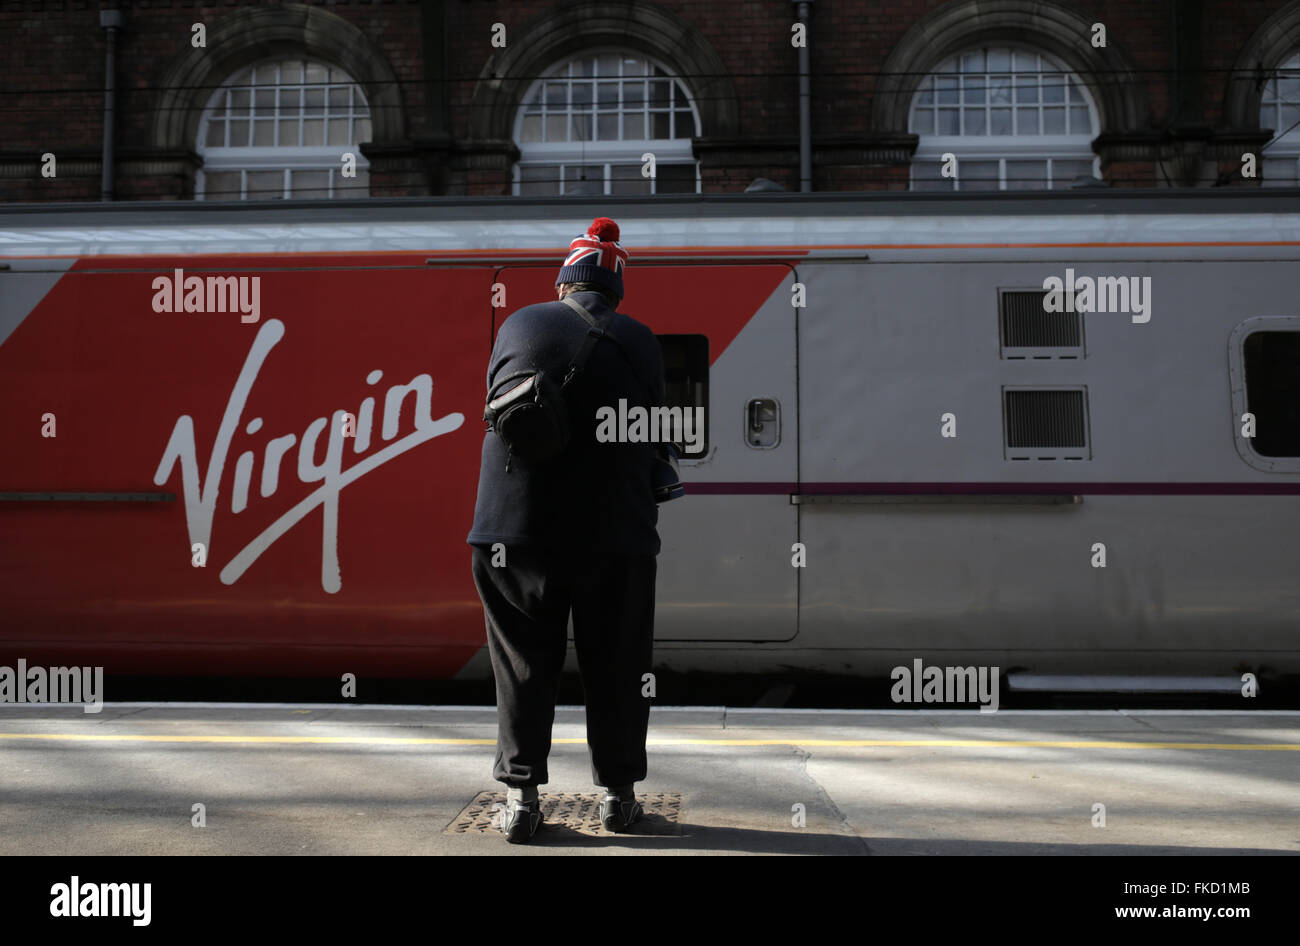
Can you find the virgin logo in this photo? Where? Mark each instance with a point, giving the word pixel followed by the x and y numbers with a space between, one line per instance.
pixel 201 495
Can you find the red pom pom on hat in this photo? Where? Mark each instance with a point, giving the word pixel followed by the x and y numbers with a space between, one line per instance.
pixel 602 228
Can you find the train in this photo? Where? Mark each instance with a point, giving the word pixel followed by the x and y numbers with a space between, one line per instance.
pixel 1056 432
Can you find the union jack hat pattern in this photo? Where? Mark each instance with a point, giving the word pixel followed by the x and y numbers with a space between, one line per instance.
pixel 597 257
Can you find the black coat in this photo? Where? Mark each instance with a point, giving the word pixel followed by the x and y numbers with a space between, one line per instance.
pixel 593 498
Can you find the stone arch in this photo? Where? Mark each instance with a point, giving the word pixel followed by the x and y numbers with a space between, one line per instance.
pixel 629 24
pixel 1277 38
pixel 1120 97
pixel 249 35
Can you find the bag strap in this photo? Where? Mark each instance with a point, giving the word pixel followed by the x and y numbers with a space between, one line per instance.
pixel 595 334
pixel 590 341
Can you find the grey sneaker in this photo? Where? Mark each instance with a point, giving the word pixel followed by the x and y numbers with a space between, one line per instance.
pixel 522 821
pixel 618 813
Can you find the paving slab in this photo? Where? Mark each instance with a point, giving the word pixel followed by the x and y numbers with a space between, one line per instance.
pixel 347 779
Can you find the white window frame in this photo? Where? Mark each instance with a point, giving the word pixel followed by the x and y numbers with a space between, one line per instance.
pixel 667 151
pixel 1003 148
pixel 1285 143
pixel 226 159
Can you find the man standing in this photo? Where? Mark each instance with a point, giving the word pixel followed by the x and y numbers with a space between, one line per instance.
pixel 576 533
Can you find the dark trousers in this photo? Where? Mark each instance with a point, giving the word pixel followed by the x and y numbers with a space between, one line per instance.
pixel 527 603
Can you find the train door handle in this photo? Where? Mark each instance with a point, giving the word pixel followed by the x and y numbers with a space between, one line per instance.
pixel 762 423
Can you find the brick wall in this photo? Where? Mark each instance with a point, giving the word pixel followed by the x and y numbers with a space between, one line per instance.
pixel 52 79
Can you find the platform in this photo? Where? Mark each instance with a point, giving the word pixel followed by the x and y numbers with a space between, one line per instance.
pixel 344 779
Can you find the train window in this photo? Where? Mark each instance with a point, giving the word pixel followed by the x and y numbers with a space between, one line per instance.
pixel 1045 423
pixel 1029 331
pixel 686 382
pixel 1272 362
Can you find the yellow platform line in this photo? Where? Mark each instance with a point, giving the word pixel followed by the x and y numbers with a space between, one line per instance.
pixel 794 741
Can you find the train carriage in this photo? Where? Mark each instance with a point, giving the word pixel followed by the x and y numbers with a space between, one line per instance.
pixel 1057 433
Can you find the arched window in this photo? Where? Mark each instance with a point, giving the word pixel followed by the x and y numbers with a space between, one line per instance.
pixel 585 124
pixel 279 130
pixel 1014 118
pixel 1280 110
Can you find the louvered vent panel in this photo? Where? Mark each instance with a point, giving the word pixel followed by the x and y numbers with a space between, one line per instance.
pixel 1045 420
pixel 1026 326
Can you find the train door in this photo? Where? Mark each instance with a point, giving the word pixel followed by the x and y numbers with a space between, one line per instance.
pixel 727 331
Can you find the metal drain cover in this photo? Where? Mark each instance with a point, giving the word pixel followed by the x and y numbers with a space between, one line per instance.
pixel 580 813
